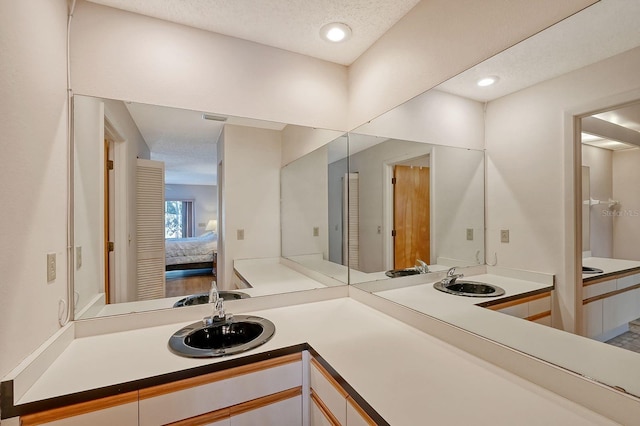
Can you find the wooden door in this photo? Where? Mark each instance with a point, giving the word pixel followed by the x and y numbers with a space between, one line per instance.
pixel 411 215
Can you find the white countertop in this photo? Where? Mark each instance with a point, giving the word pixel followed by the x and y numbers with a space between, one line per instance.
pixel 607 265
pixel 269 276
pixel 404 374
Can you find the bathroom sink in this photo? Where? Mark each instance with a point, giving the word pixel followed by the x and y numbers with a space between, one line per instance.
pixel 591 270
pixel 395 273
pixel 237 334
pixel 202 298
pixel 469 288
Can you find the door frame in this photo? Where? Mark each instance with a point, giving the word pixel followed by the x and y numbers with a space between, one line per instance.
pixel 118 288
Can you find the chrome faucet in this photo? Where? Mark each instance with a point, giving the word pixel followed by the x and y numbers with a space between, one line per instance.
pixel 218 314
pixel 422 266
pixel 451 276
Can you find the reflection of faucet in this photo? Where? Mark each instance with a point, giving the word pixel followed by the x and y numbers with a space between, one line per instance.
pixel 218 314
pixel 451 276
pixel 422 267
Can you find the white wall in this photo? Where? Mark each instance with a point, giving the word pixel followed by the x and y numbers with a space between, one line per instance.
pixel 457 205
pixel 428 46
pixel 89 198
pixel 298 141
pixel 530 170
pixel 121 55
pixel 33 169
pixel 251 200
pixel 206 202
pixel 626 225
pixel 305 198
pixel 433 117
pixel 600 163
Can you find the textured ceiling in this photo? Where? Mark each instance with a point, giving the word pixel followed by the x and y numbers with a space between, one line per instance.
pixel 184 141
pixel 292 25
pixel 605 29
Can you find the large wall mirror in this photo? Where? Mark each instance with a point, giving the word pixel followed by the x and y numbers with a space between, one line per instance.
pixel 313 220
pixel 150 211
pixel 417 205
pixel 588 62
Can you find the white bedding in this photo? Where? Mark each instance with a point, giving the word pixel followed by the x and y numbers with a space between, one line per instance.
pixel 191 250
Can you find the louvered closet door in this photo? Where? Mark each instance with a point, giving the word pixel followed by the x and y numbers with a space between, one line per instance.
pixel 351 219
pixel 150 229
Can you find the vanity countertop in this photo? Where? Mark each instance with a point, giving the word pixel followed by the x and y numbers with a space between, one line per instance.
pixel 608 266
pixel 269 276
pixel 404 374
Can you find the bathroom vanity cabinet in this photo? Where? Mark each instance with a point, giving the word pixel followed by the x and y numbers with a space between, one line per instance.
pixel 268 392
pixel 536 308
pixel 610 302
pixel 331 404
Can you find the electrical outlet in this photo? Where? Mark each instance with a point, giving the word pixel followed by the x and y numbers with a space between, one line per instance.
pixel 469 234
pixel 240 234
pixel 316 231
pixel 51 267
pixel 78 257
pixel 504 235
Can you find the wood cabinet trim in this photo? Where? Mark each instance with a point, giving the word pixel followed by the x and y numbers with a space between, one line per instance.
pixel 243 407
pixel 264 401
pixel 78 409
pixel 218 375
pixel 521 301
pixel 609 277
pixel 329 378
pixel 610 294
pixel 361 411
pixel 541 315
pixel 204 419
pixel 324 409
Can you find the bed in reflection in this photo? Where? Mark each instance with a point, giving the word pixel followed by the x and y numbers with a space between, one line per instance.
pixel 191 253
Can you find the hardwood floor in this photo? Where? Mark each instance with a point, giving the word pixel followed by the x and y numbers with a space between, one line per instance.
pixel 183 283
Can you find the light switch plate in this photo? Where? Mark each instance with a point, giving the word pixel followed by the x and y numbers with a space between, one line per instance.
pixel 51 267
pixel 240 234
pixel 316 231
pixel 504 235
pixel 469 234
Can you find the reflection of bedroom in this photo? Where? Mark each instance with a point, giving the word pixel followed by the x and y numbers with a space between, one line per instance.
pixel 185 142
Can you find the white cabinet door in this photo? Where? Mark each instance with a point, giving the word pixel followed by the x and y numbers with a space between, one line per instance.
pixel 356 417
pixel 329 392
pixel 205 394
pixel 120 409
pixel 283 413
pixel 317 416
pixel 125 415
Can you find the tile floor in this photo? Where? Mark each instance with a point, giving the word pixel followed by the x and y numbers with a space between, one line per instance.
pixel 629 340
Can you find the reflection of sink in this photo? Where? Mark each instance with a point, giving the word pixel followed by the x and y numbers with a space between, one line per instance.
pixel 470 288
pixel 591 270
pixel 237 334
pixel 202 298
pixel 395 273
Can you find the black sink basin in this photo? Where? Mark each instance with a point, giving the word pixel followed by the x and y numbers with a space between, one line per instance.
pixel 591 270
pixel 395 273
pixel 202 298
pixel 470 288
pixel 237 334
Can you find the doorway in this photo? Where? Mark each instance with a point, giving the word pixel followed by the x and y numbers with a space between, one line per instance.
pixel 411 215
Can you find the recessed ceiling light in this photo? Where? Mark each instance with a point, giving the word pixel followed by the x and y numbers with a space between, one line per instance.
pixel 335 32
pixel 488 81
